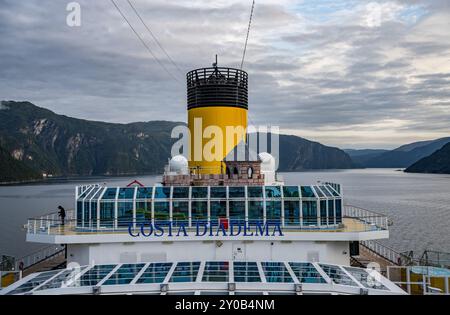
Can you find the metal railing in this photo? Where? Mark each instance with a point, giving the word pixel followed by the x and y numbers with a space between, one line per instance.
pixel 39 256
pixel 377 220
pixel 419 284
pixel 386 252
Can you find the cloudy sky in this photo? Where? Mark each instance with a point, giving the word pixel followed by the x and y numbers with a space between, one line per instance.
pixel 353 74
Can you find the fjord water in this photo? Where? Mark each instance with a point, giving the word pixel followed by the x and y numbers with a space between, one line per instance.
pixel 418 204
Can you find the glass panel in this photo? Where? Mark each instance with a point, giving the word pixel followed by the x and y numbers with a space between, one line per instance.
pixel 337 275
pixel 309 212
pixel 216 271
pixel 35 282
pixel 236 192
pixel 109 194
pixel 219 192
pixel 325 191
pixel 330 211
pixel 124 213
pixel 143 211
pixel 365 278
pixel 199 192
pixel 162 211
pixel 291 192
pixel 199 210
pixel 155 273
pixel 237 210
pixel 246 272
pixel 323 212
pixel 180 211
pixel 125 274
pixel 162 192
pixel 276 272
pixel 291 212
pixel 218 209
pixel 93 276
pixel 273 210
pixel 144 193
pixel 255 191
pixel 319 193
pixel 338 211
pixel 181 192
pixel 107 213
pixel 61 280
pixel 126 193
pixel 185 272
pixel 255 210
pixel 307 192
pixel 273 192
pixel 306 273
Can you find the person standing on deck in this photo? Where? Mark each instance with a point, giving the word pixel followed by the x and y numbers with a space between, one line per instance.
pixel 62 214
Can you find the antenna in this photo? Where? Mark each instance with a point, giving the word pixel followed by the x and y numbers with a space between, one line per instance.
pixel 248 32
pixel 215 63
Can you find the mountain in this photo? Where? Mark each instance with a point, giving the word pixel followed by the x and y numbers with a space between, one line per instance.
pixel 297 154
pixel 438 162
pixel 403 156
pixel 361 157
pixel 12 170
pixel 63 146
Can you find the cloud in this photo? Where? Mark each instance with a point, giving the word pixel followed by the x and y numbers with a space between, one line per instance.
pixel 339 72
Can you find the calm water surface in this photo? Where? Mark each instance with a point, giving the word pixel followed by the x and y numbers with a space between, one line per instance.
pixel 418 204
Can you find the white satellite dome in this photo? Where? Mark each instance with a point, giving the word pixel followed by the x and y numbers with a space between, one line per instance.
pixel 267 162
pixel 178 164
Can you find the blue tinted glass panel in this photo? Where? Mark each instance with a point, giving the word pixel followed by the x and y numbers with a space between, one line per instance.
pixel 124 275
pixel 306 273
pixel 309 212
pixel 126 193
pixel 109 194
pixel 180 211
pixel 307 192
pixel 273 192
pixel 181 192
pixel 155 273
pixel 162 211
pixel 246 272
pixel 216 271
pixel 276 272
pixel 218 209
pixel 219 192
pixel 124 213
pixel 144 193
pixel 107 213
pixel 255 191
pixel 325 191
pixel 143 211
pixel 199 192
pixel 367 280
pixel 323 212
pixel 273 210
pixel 236 192
pixel 162 192
pixel 291 192
pixel 93 276
pixel 255 210
pixel 338 211
pixel 291 212
pixel 237 210
pixel 337 275
pixel 199 210
pixel 185 272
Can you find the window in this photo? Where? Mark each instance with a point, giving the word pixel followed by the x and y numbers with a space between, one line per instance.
pixel 199 210
pixel 180 192
pixel 216 271
pixel 180 211
pixel 218 210
pixel 143 211
pixel 276 272
pixel 290 192
pixel 155 273
pixel 124 213
pixel 291 212
pixel 107 213
pixel 126 193
pixel 309 212
pixel 219 192
pixel 246 272
pixel 144 193
pixel 273 210
pixel 255 210
pixel 338 211
pixel 236 192
pixel 307 192
pixel 185 272
pixel 255 191
pixel 237 210
pixel 110 194
pixel 162 211
pixel 162 192
pixel 199 192
pixel 323 212
pixel 273 192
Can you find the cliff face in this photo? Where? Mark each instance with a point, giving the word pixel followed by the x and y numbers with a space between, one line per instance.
pixel 12 170
pixel 55 144
pixel 62 145
pixel 297 154
pixel 438 162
